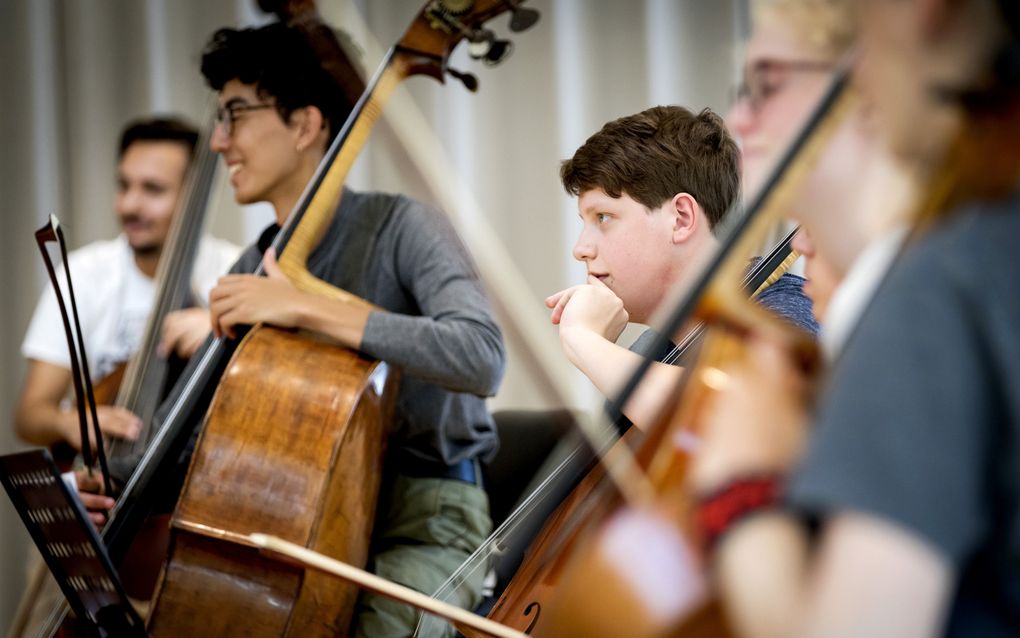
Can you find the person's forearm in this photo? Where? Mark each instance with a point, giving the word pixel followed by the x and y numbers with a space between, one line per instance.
pixel 606 364
pixel 610 366
pixel 42 424
pixel 337 319
pixel 761 569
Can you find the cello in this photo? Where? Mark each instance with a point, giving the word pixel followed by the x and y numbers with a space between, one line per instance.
pixel 294 455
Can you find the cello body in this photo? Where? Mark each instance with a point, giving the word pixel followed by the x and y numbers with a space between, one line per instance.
pixel 663 454
pixel 533 601
pixel 292 445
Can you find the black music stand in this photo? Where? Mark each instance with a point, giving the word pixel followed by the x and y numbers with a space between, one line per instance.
pixel 73 551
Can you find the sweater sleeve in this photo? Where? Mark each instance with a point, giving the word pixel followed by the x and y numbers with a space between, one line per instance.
pixel 453 340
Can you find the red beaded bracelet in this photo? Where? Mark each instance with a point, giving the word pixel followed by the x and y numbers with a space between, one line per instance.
pixel 720 510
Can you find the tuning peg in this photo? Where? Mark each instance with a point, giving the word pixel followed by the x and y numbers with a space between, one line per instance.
pixel 480 43
pixel 499 51
pixel 469 80
pixel 522 19
pixel 483 45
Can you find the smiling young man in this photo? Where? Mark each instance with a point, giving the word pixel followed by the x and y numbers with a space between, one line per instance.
pixel 651 187
pixel 279 110
pixel 115 289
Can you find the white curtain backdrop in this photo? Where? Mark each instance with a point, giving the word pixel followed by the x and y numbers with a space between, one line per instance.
pixel 72 72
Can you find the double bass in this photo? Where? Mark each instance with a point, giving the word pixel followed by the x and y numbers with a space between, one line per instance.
pixel 303 462
pixel 142 382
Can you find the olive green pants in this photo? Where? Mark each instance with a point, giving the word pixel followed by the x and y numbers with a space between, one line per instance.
pixel 427 528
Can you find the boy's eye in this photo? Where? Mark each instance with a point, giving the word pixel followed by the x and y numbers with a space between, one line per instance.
pixel 601 218
pixel 768 89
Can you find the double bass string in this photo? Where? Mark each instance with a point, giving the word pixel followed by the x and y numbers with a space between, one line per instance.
pixel 143 386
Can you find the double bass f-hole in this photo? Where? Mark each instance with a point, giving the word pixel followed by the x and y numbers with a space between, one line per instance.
pixel 537 608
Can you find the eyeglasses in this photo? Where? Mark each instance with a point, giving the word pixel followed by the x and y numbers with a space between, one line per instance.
pixel 227 115
pixel 767 77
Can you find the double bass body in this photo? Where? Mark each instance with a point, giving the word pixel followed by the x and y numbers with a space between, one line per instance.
pixel 295 423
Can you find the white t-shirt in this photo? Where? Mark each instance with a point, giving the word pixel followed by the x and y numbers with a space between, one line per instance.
pixel 114 299
pixel 854 293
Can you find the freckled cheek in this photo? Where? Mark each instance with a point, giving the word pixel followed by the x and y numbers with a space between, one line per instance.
pixel 638 246
pixel 626 262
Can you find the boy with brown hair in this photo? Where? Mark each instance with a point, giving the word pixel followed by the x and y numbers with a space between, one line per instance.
pixel 652 188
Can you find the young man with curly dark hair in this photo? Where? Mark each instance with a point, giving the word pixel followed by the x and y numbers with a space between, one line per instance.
pixel 279 109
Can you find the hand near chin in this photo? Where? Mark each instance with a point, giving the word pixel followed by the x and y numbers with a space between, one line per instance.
pixel 248 300
pixel 591 306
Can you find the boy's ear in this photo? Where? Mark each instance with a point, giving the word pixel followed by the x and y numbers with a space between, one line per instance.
pixel 309 123
pixel 685 211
